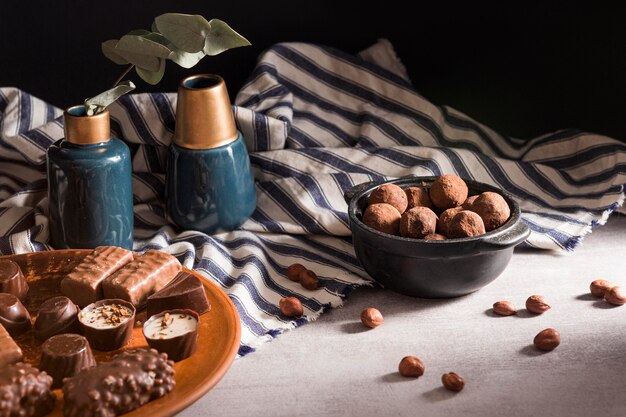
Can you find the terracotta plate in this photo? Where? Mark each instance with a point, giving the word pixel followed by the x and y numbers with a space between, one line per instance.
pixel 218 339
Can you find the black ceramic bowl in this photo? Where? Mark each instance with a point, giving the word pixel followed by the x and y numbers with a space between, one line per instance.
pixel 433 268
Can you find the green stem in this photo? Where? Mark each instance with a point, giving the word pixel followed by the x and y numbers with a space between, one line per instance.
pixel 124 74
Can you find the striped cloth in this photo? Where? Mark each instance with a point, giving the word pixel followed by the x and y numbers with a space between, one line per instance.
pixel 317 121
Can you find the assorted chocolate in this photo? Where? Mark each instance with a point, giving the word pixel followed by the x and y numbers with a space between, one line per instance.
pixel 130 380
pixel 12 279
pixel 13 315
pixel 65 355
pixel 174 332
pixel 184 291
pixel 25 391
pixel 107 324
pixel 10 352
pixel 56 315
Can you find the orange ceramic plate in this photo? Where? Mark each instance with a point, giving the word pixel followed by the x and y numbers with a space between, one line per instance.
pixel 218 337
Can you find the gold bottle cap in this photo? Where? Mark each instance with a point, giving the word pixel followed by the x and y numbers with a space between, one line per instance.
pixel 204 118
pixel 81 129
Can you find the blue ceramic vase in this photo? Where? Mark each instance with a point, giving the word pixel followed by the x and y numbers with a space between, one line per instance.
pixel 89 185
pixel 209 182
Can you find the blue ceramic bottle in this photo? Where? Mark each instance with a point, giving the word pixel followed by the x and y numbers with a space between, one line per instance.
pixel 89 185
pixel 209 182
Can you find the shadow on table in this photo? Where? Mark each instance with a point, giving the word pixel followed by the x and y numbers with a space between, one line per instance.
pixel 393 377
pixel 438 394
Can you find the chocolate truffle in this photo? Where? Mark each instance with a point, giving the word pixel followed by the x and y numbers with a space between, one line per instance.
pixel 174 332
pixel 107 324
pixel 184 291
pixel 125 383
pixel 418 222
pixel 390 194
pixel 467 204
pixel 466 224
pixel 25 391
pixel 492 208
pixel 65 355
pixel 12 279
pixel 10 352
pixel 434 236
pixel 13 315
pixel 418 197
pixel 56 315
pixel 382 217
pixel 443 224
pixel 448 191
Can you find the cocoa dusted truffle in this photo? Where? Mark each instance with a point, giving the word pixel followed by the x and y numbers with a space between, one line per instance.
pixel 448 191
pixel 65 355
pixel 443 224
pixel 467 204
pixel 465 224
pixel 125 383
pixel 492 208
pixel 13 315
pixel 418 222
pixel 25 391
pixel 382 217
pixel 390 194
pixel 435 236
pixel 12 279
pixel 418 197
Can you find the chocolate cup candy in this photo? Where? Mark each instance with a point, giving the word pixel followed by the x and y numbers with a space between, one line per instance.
pixel 184 291
pixel 65 355
pixel 115 331
pixel 56 315
pixel 12 279
pixel 176 333
pixel 13 315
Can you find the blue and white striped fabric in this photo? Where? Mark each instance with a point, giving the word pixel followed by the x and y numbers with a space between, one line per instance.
pixel 317 121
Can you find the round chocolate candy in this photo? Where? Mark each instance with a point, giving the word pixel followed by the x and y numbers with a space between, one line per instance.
pixel 56 315
pixel 174 332
pixel 107 324
pixel 12 279
pixel 65 355
pixel 13 315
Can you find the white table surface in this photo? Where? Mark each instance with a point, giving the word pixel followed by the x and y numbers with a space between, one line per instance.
pixel 336 367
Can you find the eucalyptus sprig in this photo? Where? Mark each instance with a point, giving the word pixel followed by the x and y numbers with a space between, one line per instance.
pixel 182 38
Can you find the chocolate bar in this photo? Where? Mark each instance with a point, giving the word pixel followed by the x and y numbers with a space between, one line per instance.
pixel 130 380
pixel 12 279
pixel 13 315
pixel 107 324
pixel 10 352
pixel 56 315
pixel 65 355
pixel 142 277
pixel 184 291
pixel 174 332
pixel 25 391
pixel 83 284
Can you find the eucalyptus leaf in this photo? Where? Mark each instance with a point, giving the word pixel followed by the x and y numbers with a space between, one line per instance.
pixel 139 32
pixel 142 51
pixel 186 59
pixel 108 49
pixel 187 32
pixel 222 37
pixel 152 77
pixel 98 103
pixel 154 27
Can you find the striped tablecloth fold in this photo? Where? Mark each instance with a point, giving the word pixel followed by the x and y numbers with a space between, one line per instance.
pixel 317 121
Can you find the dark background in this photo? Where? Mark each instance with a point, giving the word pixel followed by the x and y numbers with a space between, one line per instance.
pixel 524 70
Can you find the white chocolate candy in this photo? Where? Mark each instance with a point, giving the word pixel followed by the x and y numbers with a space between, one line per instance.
pixel 170 326
pixel 105 316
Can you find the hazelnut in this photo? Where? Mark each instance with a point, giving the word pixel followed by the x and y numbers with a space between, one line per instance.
pixel 382 217
pixel 308 279
pixel 290 306
pixel 371 317
pixel 537 304
pixel 411 366
pixel 293 271
pixel 452 382
pixel 599 287
pixel 465 224
pixel 547 339
pixel 418 222
pixel 417 197
pixel 447 191
pixel 390 194
pixel 615 296
pixel 504 308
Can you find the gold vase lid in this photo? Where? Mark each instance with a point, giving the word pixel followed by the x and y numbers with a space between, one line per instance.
pixel 81 129
pixel 204 117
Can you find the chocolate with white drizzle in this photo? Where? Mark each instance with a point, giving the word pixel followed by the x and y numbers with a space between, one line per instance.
pixel 174 332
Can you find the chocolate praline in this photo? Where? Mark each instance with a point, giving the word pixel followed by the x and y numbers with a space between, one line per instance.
pixel 13 315
pixel 184 291
pixel 25 391
pixel 107 324
pixel 174 332
pixel 65 355
pixel 56 315
pixel 12 279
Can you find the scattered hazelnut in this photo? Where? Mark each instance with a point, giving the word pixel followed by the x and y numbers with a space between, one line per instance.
pixel 599 287
pixel 411 366
pixel 492 208
pixel 537 304
pixel 452 382
pixel 390 194
pixel 308 279
pixel 418 222
pixel 447 191
pixel 417 197
pixel 290 306
pixel 382 217
pixel 465 224
pixel 615 296
pixel 547 339
pixel 504 308
pixel 293 271
pixel 371 317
